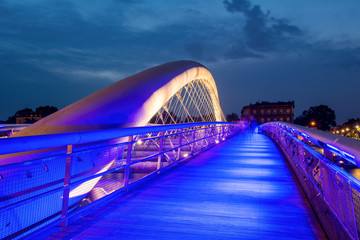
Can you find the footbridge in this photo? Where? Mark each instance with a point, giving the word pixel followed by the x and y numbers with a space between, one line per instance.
pixel 152 157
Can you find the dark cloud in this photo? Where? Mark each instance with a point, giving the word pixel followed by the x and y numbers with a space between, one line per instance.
pixel 262 32
pixel 55 52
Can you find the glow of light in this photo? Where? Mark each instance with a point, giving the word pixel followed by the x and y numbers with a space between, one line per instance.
pixel 139 142
pixel 337 131
pixel 357 126
pixel 313 123
pixel 185 155
pixel 341 161
pixel 342 130
pixel 216 141
pixel 347 129
pixel 342 153
pixel 223 139
pixel 86 187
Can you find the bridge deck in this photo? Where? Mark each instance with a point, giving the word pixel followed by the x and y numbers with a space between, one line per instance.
pixel 240 189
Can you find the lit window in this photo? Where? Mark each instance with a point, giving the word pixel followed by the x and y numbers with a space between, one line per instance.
pixel 288 110
pixel 281 119
pixel 288 119
pixel 262 111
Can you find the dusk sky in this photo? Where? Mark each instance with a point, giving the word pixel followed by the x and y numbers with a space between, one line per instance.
pixel 57 52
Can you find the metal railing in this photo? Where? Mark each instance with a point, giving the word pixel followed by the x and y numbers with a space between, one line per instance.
pixel 6 130
pixel 46 180
pixel 321 162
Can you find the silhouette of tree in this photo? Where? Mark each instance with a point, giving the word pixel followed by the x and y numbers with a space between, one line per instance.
pixel 24 112
pixel 233 117
pixel 353 133
pixel 45 110
pixel 322 115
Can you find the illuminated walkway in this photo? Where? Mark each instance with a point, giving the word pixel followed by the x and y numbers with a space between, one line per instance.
pixel 240 189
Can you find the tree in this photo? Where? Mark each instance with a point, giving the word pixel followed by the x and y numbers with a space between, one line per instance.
pixel 353 133
pixel 233 117
pixel 45 110
pixel 321 117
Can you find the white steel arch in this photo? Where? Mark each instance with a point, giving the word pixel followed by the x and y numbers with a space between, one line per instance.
pixel 133 101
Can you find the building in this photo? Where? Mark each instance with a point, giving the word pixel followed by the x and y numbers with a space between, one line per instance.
pixel 27 118
pixel 264 112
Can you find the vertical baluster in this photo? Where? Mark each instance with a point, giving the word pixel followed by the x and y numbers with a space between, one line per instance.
pixel 193 140
pixel 128 161
pixel 180 143
pixel 67 179
pixel 161 147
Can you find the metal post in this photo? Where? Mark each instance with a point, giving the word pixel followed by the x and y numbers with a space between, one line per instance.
pixel 128 161
pixel 180 142
pixel 222 133
pixel 161 146
pixel 66 193
pixel 193 140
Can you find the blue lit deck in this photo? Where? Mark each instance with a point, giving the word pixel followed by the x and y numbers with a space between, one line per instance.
pixel 240 189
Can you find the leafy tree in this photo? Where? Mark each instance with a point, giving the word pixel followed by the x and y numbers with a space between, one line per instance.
pixel 353 134
pixel 24 112
pixel 45 110
pixel 233 117
pixel 322 115
pixel 350 123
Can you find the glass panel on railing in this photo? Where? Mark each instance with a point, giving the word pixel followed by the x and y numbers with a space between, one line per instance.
pixel 28 216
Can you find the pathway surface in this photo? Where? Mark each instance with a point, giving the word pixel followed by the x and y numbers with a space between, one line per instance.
pixel 239 189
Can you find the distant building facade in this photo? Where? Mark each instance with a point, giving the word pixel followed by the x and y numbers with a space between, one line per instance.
pixel 264 112
pixel 30 118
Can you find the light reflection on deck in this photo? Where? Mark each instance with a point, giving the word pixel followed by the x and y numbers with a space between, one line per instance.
pixel 240 189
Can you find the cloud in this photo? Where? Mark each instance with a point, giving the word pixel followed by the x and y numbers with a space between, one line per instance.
pixel 262 31
pixel 86 74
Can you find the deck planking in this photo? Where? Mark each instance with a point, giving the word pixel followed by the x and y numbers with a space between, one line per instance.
pixel 239 189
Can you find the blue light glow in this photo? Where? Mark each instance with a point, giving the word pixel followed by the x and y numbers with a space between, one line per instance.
pixel 341 153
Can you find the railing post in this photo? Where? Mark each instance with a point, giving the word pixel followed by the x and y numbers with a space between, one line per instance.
pixel 161 146
pixel 180 142
pixel 193 140
pixel 222 133
pixel 128 161
pixel 66 192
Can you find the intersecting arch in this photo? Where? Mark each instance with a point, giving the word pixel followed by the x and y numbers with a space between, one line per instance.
pixel 135 100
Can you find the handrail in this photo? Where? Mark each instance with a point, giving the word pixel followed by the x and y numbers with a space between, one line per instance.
pixel 63 184
pixel 320 161
pixel 37 142
pixel 346 147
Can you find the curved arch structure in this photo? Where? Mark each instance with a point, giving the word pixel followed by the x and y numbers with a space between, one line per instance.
pixel 175 92
pixel 130 102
